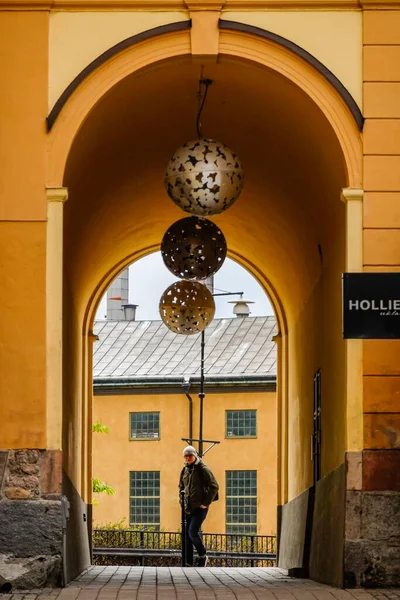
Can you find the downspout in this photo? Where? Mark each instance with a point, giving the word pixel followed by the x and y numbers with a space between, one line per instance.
pixel 186 387
pixel 189 397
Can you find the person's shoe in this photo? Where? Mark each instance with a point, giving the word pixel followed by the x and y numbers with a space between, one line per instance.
pixel 202 561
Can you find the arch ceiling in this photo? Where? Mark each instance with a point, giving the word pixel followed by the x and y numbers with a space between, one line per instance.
pixel 293 163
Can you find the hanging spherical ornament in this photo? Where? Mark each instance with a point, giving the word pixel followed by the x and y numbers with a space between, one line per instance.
pixel 204 177
pixel 187 307
pixel 193 248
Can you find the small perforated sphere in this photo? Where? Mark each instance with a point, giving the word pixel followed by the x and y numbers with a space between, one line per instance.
pixel 193 248
pixel 187 307
pixel 204 177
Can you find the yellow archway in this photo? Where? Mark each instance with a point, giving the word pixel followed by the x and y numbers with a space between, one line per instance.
pixel 289 239
pixel 88 338
pixel 241 45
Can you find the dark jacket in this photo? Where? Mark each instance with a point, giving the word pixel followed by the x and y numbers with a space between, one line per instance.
pixel 199 484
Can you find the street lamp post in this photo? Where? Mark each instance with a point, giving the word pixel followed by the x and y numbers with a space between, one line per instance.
pixel 202 394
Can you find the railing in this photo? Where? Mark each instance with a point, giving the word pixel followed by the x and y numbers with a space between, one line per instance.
pixel 127 538
pixel 159 548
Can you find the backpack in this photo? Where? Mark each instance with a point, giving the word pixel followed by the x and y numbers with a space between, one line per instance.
pixel 201 465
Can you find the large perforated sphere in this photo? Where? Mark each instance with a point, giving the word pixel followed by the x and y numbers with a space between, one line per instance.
pixel 187 307
pixel 193 248
pixel 204 177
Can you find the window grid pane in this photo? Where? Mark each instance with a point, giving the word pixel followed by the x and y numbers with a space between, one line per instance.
pixel 144 501
pixel 241 423
pixel 145 426
pixel 241 502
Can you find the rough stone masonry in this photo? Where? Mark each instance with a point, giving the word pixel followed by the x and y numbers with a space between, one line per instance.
pixel 31 517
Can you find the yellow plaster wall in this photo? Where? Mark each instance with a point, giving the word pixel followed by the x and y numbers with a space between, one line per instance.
pixel 23 108
pixel 332 358
pixel 315 342
pixel 381 76
pixel 302 364
pixel 95 32
pixel 73 393
pixel 333 37
pixel 77 38
pixel 23 207
pixel 22 334
pixel 114 455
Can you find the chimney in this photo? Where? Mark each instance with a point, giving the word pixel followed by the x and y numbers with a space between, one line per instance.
pixel 241 308
pixel 129 311
pixel 209 283
pixel 117 295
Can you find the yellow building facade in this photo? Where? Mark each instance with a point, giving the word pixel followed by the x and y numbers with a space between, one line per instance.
pixel 96 95
pixel 115 456
pixel 146 391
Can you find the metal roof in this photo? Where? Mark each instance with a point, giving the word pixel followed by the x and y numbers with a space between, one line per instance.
pixel 235 348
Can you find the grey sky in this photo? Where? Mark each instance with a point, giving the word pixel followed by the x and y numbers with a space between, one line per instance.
pixel 148 278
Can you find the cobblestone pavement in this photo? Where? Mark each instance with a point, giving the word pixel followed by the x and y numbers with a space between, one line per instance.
pixel 175 583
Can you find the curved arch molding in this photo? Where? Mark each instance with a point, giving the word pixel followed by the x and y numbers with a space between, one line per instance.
pixel 309 58
pixel 223 24
pixel 131 41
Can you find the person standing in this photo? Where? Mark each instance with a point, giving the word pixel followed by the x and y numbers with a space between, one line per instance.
pixel 201 488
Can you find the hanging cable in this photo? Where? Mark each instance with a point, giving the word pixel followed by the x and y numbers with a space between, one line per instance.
pixel 206 83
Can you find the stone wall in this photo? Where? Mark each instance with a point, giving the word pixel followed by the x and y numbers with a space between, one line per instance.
pixel 31 517
pixel 372 526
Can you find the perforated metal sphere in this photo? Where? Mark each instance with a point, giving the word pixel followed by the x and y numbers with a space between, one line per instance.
pixel 187 307
pixel 204 177
pixel 193 248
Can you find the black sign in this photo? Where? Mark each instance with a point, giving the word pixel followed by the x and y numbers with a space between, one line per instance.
pixel 371 305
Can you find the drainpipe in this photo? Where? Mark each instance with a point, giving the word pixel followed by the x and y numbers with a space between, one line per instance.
pixel 201 394
pixel 186 388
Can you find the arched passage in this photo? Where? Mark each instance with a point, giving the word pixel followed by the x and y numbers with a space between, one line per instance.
pixel 299 145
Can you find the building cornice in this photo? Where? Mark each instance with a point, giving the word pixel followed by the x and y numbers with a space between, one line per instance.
pixel 380 4
pixel 197 5
pixel 109 386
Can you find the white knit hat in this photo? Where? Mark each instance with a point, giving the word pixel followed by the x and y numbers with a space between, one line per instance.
pixel 189 450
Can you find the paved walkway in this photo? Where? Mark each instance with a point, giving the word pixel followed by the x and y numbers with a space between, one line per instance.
pixel 175 583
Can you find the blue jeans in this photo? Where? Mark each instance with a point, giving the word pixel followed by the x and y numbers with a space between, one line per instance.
pixel 193 534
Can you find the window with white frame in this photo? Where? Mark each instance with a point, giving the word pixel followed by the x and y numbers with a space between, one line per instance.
pixel 241 502
pixel 144 499
pixel 144 426
pixel 241 423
